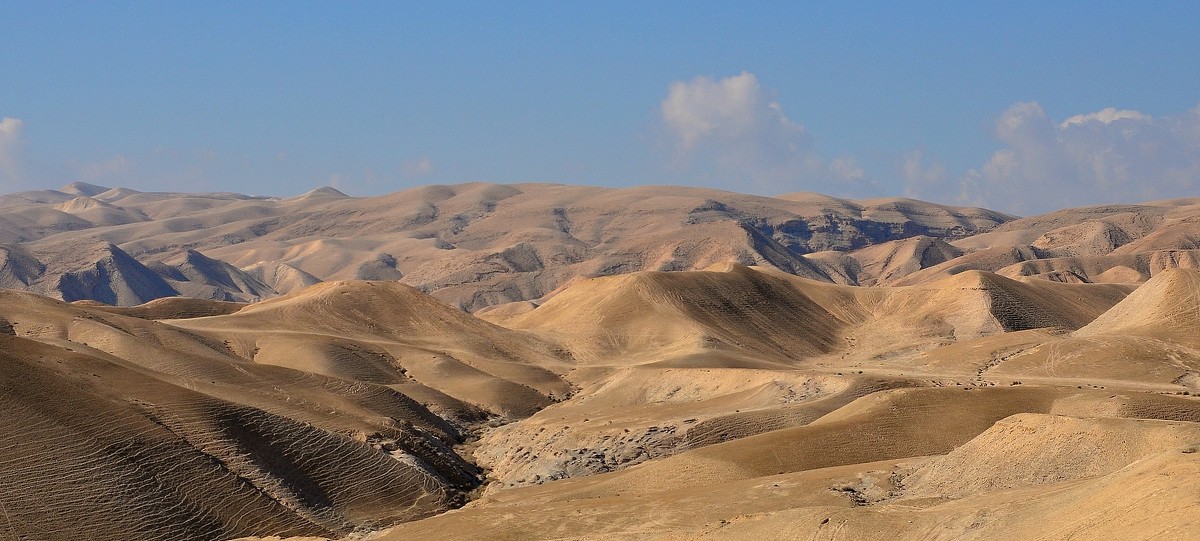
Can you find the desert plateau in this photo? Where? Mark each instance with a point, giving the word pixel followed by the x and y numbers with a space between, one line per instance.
pixel 483 361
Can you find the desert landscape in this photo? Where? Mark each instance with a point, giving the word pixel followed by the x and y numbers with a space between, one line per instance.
pixel 541 361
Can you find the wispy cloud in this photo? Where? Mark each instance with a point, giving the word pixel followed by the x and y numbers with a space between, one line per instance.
pixel 846 168
pixel 11 142
pixel 113 170
pixel 417 167
pixel 922 175
pixel 732 131
pixel 157 169
pixel 1105 156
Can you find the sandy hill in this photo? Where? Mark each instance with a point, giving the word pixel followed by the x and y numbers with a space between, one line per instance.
pixel 567 362
pixel 18 268
pixel 983 464
pixel 1165 306
pixel 105 273
pixel 890 261
pixel 196 275
pixel 1149 336
pixel 132 428
pixel 167 463
pixel 98 212
pixel 732 402
pixel 169 308
pixel 390 333
pixel 671 361
pixel 733 312
pixel 661 315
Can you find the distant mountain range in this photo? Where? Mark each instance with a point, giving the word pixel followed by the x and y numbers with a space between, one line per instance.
pixel 480 245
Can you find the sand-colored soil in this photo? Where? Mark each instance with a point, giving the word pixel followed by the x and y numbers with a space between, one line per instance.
pixel 646 382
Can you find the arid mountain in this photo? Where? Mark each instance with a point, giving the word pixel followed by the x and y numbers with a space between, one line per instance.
pixel 1114 243
pixel 884 370
pixel 480 245
pixel 471 245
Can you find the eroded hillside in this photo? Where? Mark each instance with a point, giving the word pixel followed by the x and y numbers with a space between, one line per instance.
pixel 725 403
pixel 644 363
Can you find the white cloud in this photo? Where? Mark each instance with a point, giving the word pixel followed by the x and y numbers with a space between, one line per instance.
pixel 10 149
pixel 729 132
pixel 114 170
pixel 1106 156
pixel 919 177
pixel 731 108
pixel 1104 116
pixel 417 167
pixel 158 169
pixel 846 168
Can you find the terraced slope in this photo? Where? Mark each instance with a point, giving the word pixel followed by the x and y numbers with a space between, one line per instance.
pixel 133 428
pixel 120 454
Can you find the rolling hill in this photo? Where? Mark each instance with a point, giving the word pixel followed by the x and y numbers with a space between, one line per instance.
pixel 562 362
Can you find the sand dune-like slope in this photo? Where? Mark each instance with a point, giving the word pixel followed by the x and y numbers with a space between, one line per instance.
pixel 1167 306
pixel 92 446
pixel 389 333
pixel 18 268
pixel 99 212
pixel 1148 498
pixel 887 262
pixel 731 314
pixel 132 428
pixel 1150 337
pixel 734 402
pixel 674 361
pixel 107 274
pixel 661 315
pixel 196 275
pixel 198 362
pixel 1062 449
pixel 281 277
pixel 1006 477
pixel 170 308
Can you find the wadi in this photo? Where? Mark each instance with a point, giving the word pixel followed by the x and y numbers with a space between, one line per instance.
pixel 538 361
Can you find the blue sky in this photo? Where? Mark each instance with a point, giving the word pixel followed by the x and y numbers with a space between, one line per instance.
pixel 1020 106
